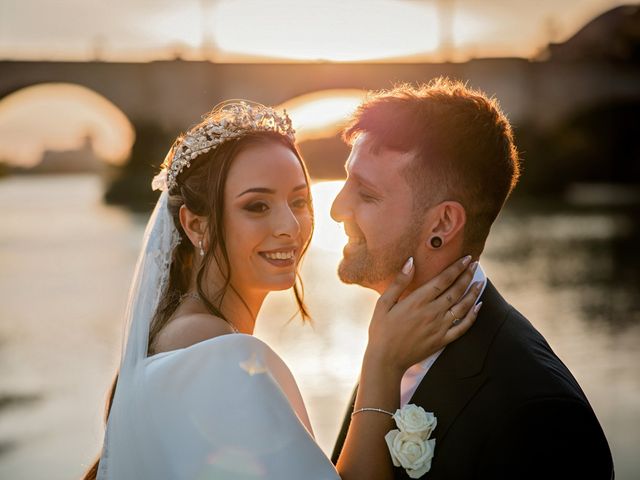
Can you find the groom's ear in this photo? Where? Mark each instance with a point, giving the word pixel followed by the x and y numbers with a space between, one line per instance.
pixel 195 226
pixel 447 221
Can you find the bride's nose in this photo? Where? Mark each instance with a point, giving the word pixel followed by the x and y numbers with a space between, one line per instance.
pixel 285 223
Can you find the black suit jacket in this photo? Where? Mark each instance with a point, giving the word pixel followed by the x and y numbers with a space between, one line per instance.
pixel 507 407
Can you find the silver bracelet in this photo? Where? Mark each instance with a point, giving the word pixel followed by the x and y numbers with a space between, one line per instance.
pixel 371 409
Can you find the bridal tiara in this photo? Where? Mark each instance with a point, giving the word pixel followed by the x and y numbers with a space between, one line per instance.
pixel 227 121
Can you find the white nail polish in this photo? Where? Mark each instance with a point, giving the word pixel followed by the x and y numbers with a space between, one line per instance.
pixel 406 269
pixel 476 309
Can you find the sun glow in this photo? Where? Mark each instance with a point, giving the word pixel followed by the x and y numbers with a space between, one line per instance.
pixel 334 31
pixel 58 116
pixel 468 28
pixel 321 114
pixel 328 234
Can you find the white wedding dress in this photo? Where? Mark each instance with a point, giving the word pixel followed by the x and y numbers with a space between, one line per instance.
pixel 224 408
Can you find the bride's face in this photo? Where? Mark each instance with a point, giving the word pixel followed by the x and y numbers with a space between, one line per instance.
pixel 267 217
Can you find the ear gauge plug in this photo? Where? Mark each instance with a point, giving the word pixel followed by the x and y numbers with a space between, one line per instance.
pixel 436 242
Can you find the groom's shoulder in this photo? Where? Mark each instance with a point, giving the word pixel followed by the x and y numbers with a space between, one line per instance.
pixel 522 358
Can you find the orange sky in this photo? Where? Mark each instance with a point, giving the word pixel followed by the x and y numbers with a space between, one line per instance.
pixel 287 30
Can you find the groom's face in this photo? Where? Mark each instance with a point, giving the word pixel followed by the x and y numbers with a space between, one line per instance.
pixel 376 207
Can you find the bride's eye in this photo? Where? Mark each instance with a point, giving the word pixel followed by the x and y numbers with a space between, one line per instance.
pixel 302 202
pixel 257 207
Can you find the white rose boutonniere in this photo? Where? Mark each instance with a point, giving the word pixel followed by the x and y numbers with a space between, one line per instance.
pixel 410 447
pixel 413 419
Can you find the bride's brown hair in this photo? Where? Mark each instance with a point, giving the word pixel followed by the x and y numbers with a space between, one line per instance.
pixel 201 189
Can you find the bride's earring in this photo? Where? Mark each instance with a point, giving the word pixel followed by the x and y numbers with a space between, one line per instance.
pixel 201 249
pixel 436 242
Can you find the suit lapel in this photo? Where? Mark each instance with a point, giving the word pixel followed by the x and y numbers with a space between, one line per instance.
pixel 458 373
pixel 446 397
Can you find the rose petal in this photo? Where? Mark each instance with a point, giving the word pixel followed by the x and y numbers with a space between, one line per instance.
pixel 417 473
pixel 389 438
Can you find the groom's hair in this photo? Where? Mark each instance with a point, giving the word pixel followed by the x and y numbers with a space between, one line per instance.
pixel 463 142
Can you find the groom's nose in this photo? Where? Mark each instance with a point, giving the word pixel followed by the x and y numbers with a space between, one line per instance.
pixel 339 207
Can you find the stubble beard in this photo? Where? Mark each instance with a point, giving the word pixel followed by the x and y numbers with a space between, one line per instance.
pixel 370 268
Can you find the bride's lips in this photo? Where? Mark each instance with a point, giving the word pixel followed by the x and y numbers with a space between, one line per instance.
pixel 280 257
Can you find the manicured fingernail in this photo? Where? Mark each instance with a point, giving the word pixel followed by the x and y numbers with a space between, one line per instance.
pixel 476 309
pixel 408 266
pixel 477 286
pixel 466 260
pixel 473 267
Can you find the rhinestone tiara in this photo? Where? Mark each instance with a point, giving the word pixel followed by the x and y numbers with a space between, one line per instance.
pixel 228 121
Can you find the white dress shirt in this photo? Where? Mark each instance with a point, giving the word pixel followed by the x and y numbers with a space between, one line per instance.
pixel 414 375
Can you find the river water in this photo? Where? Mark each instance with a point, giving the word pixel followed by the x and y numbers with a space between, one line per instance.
pixel 65 264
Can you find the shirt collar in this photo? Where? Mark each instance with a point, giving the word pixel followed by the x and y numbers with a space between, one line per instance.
pixel 478 276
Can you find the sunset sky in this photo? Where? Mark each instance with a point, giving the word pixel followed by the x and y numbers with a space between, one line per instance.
pixel 287 30
pixel 248 30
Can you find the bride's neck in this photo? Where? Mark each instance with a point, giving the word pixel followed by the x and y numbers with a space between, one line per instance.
pixel 238 307
pixel 241 308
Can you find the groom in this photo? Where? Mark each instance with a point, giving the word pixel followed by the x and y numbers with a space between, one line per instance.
pixel 429 171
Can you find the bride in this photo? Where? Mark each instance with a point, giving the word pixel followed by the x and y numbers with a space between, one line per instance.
pixel 197 396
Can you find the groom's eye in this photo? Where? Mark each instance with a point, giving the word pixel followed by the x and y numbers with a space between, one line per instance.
pixel 367 198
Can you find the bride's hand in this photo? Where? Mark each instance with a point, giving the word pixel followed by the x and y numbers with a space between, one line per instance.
pixel 404 332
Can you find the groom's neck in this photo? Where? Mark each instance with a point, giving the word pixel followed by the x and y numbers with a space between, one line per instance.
pixel 429 266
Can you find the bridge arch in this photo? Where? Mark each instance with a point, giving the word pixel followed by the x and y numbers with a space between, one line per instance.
pixel 321 114
pixel 60 117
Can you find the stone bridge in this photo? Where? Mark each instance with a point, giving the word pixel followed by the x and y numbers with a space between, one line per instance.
pixel 174 93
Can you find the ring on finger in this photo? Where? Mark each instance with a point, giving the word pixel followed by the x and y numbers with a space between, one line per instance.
pixel 456 320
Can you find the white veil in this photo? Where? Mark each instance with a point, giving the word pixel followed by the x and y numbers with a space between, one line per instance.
pixel 150 279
